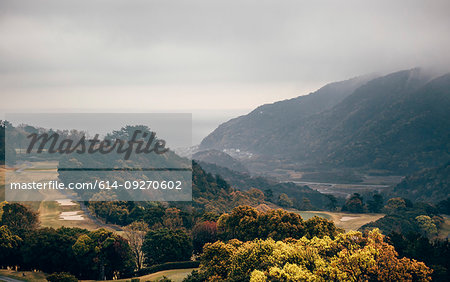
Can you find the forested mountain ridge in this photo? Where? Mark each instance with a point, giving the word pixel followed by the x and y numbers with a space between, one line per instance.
pixel 212 193
pixel 399 122
pixel 238 132
pixel 302 197
pixel 430 185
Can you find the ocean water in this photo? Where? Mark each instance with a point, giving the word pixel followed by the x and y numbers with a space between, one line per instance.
pixel 203 121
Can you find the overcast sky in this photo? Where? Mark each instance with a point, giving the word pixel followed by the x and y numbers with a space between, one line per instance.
pixel 209 56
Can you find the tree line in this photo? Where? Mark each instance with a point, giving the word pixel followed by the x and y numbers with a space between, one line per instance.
pixel 243 245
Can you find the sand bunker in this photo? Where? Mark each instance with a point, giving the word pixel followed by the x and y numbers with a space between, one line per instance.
pixel 347 218
pixel 66 202
pixel 71 215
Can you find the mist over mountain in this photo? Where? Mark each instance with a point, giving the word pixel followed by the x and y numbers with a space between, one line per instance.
pixel 250 132
pixel 399 122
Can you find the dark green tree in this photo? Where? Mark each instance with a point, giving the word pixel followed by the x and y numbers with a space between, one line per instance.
pixel 269 194
pixel 19 218
pixel 50 250
pixel 9 247
pixel 444 206
pixel 305 205
pixel 103 254
pixel 332 205
pixel 285 201
pixel 376 204
pixel 354 204
pixel 165 245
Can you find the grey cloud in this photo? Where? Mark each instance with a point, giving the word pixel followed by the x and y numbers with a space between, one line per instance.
pixel 48 43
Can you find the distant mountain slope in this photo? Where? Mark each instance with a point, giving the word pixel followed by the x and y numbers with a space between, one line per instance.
pixel 399 122
pixel 430 185
pixel 219 158
pixel 248 132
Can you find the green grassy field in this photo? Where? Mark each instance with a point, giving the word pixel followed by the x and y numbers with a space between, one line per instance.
pixel 309 214
pixel 174 274
pixel 49 215
pixel 50 211
pixel 19 275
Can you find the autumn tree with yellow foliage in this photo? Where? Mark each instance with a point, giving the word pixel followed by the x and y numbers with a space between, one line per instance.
pixel 349 257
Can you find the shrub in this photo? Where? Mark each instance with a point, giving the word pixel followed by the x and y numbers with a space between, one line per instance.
pixel 61 277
